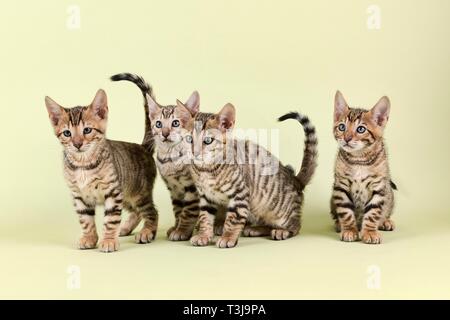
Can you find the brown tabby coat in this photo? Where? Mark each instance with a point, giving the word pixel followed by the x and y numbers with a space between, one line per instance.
pixel 101 171
pixel 363 197
pixel 253 186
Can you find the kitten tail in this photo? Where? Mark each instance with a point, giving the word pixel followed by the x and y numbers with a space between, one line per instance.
pixel 145 89
pixel 309 162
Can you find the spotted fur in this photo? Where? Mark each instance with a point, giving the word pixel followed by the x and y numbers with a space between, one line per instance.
pixel 362 201
pixel 261 196
pixel 99 171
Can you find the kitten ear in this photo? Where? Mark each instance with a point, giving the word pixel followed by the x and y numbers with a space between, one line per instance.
pixel 55 111
pixel 340 106
pixel 380 112
pixel 227 117
pixel 153 107
pixel 193 103
pixel 100 104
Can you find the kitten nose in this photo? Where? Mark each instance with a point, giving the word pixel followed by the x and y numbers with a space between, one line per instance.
pixel 348 139
pixel 78 144
pixel 165 133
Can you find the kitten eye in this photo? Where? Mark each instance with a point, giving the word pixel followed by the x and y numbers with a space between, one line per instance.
pixel 175 123
pixel 189 139
pixel 158 124
pixel 361 129
pixel 87 130
pixel 208 140
pixel 341 127
pixel 67 133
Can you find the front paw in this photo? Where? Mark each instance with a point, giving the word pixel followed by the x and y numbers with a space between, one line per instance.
pixel 200 240
pixel 227 242
pixel 349 235
pixel 109 245
pixel 370 237
pixel 88 242
pixel 180 235
pixel 145 236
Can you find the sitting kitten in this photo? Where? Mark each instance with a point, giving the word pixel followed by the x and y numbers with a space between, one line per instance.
pixel 253 186
pixel 362 197
pixel 101 171
pixel 168 124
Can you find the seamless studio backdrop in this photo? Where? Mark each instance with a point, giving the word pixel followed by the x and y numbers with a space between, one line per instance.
pixel 267 58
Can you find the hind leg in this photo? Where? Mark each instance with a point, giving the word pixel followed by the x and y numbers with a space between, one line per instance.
pixel 256 231
pixel 287 230
pixel 387 225
pixel 150 216
pixel 130 224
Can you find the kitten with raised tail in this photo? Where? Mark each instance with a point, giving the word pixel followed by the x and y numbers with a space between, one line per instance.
pixel 262 197
pixel 99 171
pixel 363 200
pixel 169 122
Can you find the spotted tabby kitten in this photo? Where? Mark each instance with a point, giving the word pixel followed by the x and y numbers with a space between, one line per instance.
pixel 363 196
pixel 100 171
pixel 258 192
pixel 168 125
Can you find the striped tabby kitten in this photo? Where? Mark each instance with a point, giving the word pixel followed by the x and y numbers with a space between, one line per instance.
pixel 253 186
pixel 363 196
pixel 168 125
pixel 101 171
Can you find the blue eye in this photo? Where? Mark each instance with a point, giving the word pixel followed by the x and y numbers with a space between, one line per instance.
pixel 175 123
pixel 208 140
pixel 158 124
pixel 67 133
pixel 341 127
pixel 87 130
pixel 361 129
pixel 189 139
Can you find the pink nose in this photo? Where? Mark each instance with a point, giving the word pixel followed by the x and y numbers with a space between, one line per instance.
pixel 348 139
pixel 77 145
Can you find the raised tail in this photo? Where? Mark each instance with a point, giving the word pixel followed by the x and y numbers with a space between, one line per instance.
pixel 145 89
pixel 309 162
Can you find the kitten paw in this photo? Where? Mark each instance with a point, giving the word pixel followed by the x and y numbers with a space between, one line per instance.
pixel 256 231
pixel 371 237
pixel 200 240
pixel 125 231
pixel 218 230
pixel 179 235
pixel 87 242
pixel 226 242
pixel 279 234
pixel 388 225
pixel 349 235
pixel 145 236
pixel 170 230
pixel 109 245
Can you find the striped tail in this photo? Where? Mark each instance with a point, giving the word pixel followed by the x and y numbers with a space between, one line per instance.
pixel 145 89
pixel 309 162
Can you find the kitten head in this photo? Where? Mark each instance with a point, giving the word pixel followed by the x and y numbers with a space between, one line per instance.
pixel 357 129
pixel 79 129
pixel 169 123
pixel 210 134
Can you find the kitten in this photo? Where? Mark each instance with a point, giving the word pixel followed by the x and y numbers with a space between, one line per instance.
pixel 101 171
pixel 253 186
pixel 363 197
pixel 168 126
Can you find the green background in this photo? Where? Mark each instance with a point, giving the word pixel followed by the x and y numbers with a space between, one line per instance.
pixel 267 58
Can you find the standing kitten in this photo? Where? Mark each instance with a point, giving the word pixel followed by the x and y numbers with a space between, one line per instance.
pixel 168 125
pixel 362 197
pixel 101 171
pixel 253 186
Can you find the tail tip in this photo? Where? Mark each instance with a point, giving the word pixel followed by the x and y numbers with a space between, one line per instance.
pixel 289 115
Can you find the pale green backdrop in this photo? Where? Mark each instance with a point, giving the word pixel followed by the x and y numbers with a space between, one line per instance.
pixel 267 58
